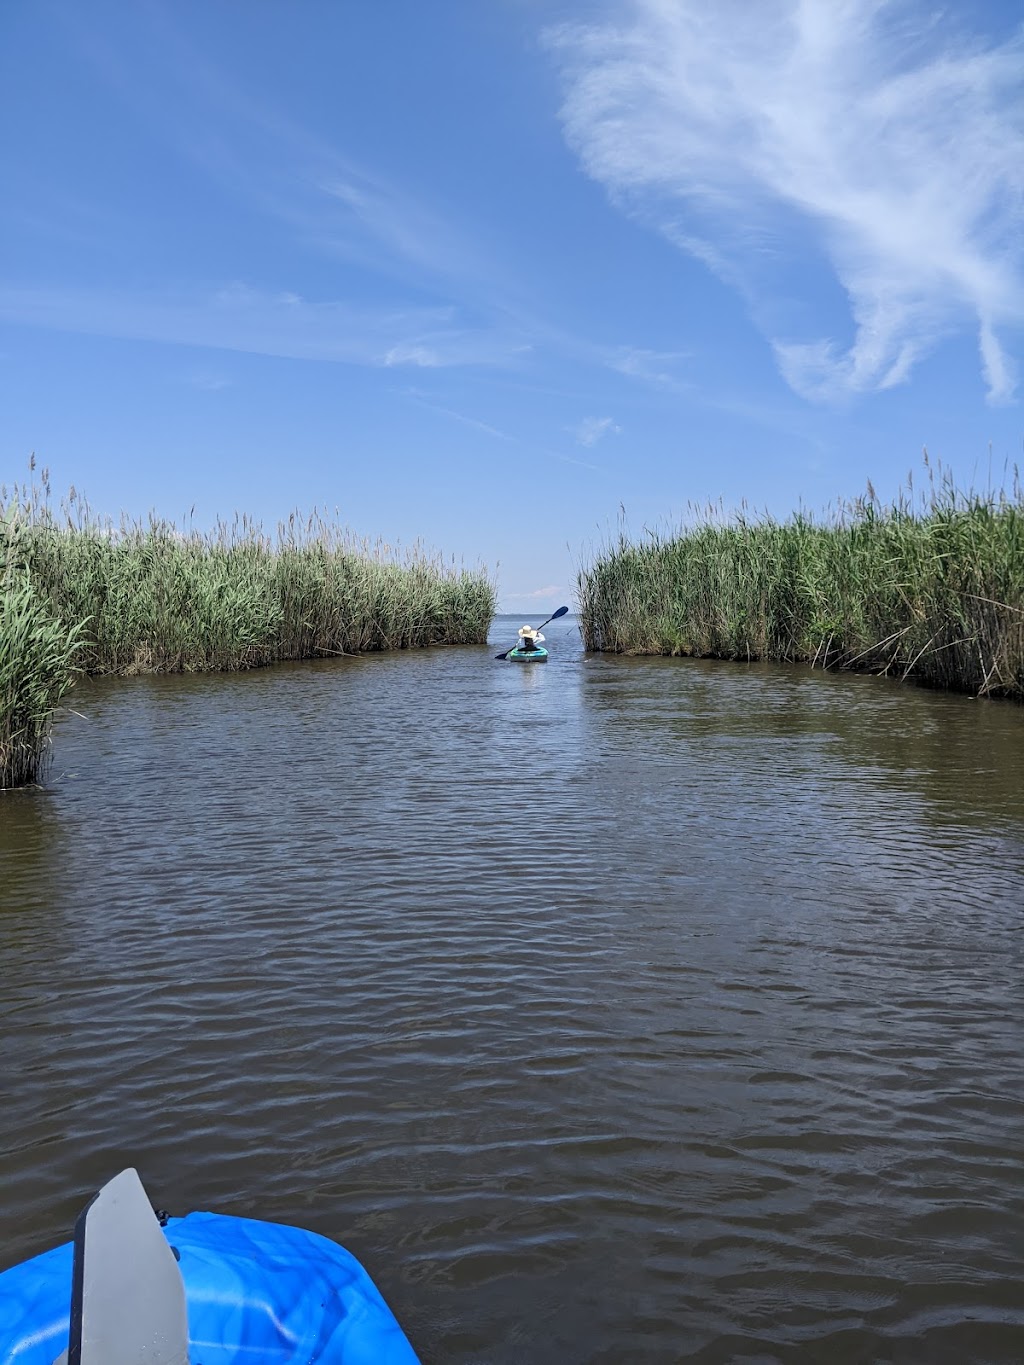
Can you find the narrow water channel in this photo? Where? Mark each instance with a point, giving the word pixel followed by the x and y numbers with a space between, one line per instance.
pixel 609 1010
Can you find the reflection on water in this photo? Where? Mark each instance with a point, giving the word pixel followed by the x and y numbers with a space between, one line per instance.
pixel 609 1009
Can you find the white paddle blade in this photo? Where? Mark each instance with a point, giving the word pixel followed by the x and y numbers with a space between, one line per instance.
pixel 127 1295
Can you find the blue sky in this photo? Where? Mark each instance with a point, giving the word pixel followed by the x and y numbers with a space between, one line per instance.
pixel 482 272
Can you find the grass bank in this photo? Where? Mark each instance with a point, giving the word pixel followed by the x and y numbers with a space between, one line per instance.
pixel 81 591
pixel 930 588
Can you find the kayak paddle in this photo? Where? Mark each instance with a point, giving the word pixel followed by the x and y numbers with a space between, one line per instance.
pixel 127 1294
pixel 553 617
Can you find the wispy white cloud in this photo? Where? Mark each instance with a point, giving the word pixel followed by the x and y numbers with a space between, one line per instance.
pixel 406 354
pixel 536 593
pixel 393 241
pixel 653 367
pixel 591 429
pixel 238 318
pixel 372 221
pixel 208 383
pixel 876 136
pixel 423 401
pixel 531 447
pixel 331 205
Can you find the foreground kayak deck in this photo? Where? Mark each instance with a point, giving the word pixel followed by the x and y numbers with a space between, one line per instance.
pixel 257 1294
pixel 531 656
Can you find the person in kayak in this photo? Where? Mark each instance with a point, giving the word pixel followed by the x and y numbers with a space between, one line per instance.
pixel 529 639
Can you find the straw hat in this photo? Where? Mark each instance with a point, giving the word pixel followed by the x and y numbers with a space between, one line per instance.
pixel 527 630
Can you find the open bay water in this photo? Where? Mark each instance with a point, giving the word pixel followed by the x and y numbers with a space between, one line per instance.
pixel 610 1010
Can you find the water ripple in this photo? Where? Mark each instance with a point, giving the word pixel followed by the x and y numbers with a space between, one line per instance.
pixel 637 1010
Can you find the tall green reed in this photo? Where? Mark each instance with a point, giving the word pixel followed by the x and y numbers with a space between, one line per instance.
pixel 150 596
pixel 37 658
pixel 162 598
pixel 930 588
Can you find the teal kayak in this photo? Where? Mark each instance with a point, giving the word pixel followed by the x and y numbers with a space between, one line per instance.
pixel 529 656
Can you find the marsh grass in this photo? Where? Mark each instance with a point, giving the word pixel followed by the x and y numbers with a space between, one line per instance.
pixel 150 596
pixel 37 659
pixel 930 588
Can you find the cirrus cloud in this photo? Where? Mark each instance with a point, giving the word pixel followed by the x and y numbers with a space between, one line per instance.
pixel 236 317
pixel 874 137
pixel 591 429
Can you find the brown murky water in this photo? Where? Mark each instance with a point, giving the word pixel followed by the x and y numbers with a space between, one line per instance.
pixel 609 1010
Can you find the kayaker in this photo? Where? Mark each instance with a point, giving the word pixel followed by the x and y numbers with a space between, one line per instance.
pixel 529 639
